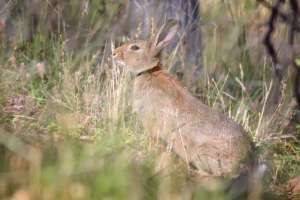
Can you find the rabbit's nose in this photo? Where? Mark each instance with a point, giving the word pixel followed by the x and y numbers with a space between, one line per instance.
pixel 117 55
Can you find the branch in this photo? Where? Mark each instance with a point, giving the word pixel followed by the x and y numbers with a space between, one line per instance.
pixel 295 13
pixel 268 37
pixel 283 16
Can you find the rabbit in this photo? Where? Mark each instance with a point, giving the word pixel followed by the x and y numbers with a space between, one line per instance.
pixel 207 140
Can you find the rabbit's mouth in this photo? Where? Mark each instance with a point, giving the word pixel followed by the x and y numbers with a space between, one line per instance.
pixel 119 62
pixel 118 58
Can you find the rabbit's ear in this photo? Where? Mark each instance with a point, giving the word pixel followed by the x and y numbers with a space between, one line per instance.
pixel 164 36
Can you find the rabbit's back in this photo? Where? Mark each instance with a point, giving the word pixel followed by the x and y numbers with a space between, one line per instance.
pixel 209 140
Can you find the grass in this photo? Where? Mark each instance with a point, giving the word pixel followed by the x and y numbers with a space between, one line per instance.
pixel 67 130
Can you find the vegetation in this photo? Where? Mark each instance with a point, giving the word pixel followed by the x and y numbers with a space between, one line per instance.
pixel 66 126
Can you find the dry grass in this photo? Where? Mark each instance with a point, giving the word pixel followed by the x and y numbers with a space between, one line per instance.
pixel 67 130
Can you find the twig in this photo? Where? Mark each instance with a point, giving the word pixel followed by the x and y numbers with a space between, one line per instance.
pixel 295 13
pixel 282 137
pixel 292 20
pixel 283 16
pixel 268 38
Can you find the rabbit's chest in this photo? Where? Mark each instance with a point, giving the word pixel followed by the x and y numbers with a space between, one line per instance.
pixel 153 105
pixel 149 102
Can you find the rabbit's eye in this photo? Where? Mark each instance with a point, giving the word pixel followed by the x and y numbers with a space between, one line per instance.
pixel 134 47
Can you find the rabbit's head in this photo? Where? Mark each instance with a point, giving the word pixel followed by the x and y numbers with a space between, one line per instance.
pixel 143 55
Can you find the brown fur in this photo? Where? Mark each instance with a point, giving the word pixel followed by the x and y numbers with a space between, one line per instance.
pixel 203 137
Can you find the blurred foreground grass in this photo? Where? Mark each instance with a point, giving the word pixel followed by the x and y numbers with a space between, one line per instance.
pixel 67 130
